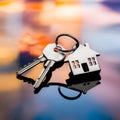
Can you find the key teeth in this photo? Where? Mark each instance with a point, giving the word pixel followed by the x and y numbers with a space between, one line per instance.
pixel 34 60
pixel 24 66
pixel 27 64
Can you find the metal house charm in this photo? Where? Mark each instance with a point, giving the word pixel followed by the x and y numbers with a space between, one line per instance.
pixel 84 69
pixel 83 60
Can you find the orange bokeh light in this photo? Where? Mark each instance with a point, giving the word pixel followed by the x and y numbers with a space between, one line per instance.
pixel 33 43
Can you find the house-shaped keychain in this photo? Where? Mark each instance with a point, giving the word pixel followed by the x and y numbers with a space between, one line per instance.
pixel 84 67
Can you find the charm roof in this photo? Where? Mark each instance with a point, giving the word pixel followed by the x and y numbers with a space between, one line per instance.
pixel 83 50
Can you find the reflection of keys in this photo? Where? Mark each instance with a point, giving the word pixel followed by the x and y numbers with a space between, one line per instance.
pixel 52 57
pixel 31 65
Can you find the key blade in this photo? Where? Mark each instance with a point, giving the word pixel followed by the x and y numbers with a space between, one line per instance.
pixel 43 74
pixel 52 57
pixel 31 65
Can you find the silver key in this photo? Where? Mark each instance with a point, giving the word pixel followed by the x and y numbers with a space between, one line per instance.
pixel 52 57
pixel 31 65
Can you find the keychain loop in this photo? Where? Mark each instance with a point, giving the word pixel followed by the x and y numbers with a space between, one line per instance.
pixel 66 97
pixel 73 49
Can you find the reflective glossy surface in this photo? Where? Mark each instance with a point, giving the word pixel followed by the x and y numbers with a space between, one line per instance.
pixel 100 28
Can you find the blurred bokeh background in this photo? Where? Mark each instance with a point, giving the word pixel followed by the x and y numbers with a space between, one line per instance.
pixel 27 26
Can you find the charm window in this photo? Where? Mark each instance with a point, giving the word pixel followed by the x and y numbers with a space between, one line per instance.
pixel 92 61
pixel 75 64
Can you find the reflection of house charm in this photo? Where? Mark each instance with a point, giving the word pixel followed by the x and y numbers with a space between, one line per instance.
pixel 85 86
pixel 83 60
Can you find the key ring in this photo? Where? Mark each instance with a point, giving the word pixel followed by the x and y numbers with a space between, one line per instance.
pixel 73 49
pixel 67 97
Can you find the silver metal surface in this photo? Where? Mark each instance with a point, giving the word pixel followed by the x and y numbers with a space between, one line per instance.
pixel 31 65
pixel 43 74
pixel 52 58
